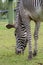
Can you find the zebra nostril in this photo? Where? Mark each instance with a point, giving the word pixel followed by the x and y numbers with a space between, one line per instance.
pixel 18 51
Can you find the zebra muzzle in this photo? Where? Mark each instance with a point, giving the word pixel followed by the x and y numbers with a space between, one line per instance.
pixel 19 51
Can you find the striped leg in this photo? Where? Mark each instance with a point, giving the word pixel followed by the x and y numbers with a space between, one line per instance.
pixel 29 38
pixel 26 22
pixel 37 25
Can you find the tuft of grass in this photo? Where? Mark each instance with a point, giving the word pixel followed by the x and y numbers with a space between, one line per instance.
pixel 7 47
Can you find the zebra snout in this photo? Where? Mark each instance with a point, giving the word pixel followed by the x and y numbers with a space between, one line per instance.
pixel 19 51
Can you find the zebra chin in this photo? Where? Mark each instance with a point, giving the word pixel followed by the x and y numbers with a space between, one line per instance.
pixel 19 51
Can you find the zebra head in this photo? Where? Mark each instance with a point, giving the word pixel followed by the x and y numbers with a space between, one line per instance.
pixel 21 40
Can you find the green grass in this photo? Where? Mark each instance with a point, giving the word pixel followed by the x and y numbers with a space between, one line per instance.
pixel 7 47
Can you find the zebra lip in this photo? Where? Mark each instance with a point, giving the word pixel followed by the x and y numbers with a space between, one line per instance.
pixel 18 52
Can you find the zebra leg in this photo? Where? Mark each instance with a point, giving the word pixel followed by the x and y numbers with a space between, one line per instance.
pixel 29 39
pixel 37 25
pixel 26 22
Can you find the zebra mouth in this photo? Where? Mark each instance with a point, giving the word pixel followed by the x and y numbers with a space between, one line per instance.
pixel 19 51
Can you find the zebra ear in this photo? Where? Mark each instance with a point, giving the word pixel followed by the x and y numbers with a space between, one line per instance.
pixel 9 26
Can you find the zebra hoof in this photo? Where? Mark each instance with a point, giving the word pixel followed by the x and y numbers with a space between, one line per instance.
pixel 30 57
pixel 34 54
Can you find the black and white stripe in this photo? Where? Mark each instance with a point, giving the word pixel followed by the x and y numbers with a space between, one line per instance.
pixel 37 3
pixel 21 36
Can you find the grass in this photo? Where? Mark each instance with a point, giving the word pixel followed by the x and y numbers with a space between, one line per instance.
pixel 7 47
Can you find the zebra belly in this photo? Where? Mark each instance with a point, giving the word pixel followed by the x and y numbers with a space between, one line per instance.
pixel 33 9
pixel 35 15
pixel 39 12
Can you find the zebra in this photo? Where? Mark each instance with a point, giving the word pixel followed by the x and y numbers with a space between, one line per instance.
pixel 30 10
